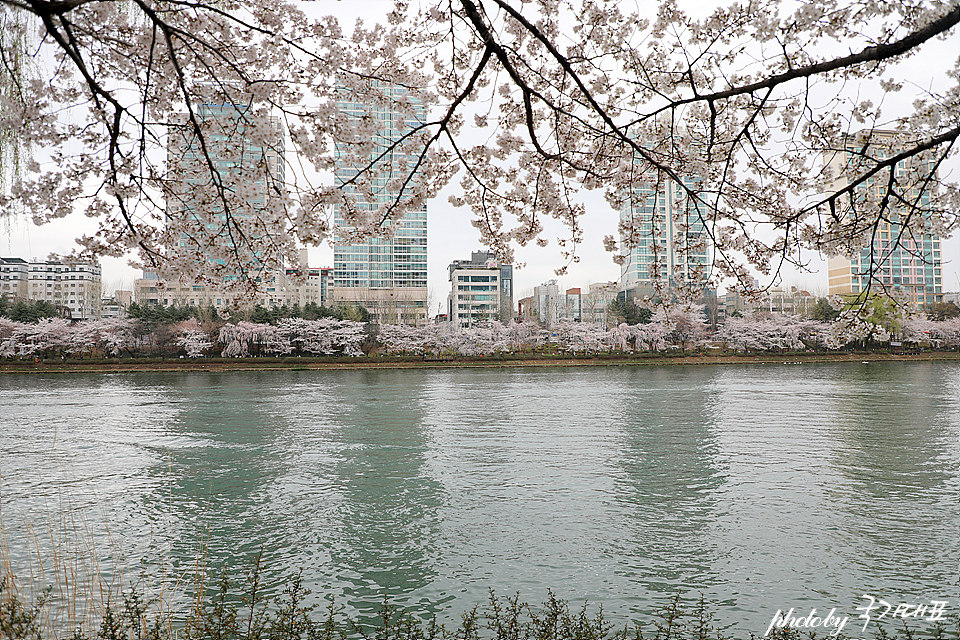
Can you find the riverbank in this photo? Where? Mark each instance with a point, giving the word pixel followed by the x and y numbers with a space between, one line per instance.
pixel 388 362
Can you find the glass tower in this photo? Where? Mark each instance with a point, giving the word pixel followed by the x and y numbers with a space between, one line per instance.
pixel 386 273
pixel 670 246
pixel 224 168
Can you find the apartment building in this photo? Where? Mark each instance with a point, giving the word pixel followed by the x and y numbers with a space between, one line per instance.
pixel 293 286
pixel 892 261
pixel 73 287
pixel 663 236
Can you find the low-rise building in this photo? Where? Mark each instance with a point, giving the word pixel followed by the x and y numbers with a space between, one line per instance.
pixel 294 286
pixel 573 309
pixel 527 310
pixel 116 305
pixel 548 305
pixel 594 303
pixel 788 301
pixel 481 289
pixel 785 300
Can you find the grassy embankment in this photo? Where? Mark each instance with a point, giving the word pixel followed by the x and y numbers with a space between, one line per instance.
pixel 506 360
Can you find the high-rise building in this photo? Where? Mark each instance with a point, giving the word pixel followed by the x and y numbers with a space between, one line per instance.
pixel 224 167
pixel 481 289
pixel 668 245
pixel 387 273
pixel 895 260
pixel 72 287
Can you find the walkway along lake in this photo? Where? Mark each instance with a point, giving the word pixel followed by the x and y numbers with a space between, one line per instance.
pixel 763 487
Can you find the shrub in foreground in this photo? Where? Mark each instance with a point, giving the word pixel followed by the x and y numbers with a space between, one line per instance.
pixel 231 612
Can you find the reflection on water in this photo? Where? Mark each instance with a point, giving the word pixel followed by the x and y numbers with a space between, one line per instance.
pixel 669 477
pixel 897 451
pixel 762 487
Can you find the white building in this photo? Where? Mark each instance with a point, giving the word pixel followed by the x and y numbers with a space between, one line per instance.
pixel 783 300
pixel 73 287
pixel 481 289
pixel 277 289
pixel 548 303
pixel 116 306
pixel 594 303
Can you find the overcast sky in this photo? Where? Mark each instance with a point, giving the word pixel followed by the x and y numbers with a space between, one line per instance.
pixel 450 234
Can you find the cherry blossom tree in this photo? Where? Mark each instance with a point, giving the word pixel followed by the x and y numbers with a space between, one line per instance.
pixel 402 339
pixel 524 335
pixel 581 337
pixel 941 334
pixel 8 342
pixel 243 338
pixel 653 336
pixel 947 332
pixel 621 338
pixel 326 336
pixel 527 102
pixel 448 339
pixel 682 327
pixel 40 338
pixel 108 336
pixel 193 339
pixel 766 332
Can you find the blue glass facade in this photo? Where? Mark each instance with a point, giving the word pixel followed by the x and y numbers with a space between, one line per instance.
pixel 386 273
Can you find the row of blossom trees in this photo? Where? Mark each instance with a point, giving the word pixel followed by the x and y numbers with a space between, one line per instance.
pixel 58 336
pixel 113 337
pixel 668 330
pixel 324 337
pixel 675 328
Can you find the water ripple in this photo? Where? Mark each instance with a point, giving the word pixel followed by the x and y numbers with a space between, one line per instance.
pixel 760 487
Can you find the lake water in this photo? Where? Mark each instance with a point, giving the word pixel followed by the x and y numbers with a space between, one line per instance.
pixel 763 487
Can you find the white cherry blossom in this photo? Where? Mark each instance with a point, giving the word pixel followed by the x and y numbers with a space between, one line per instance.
pixel 521 105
